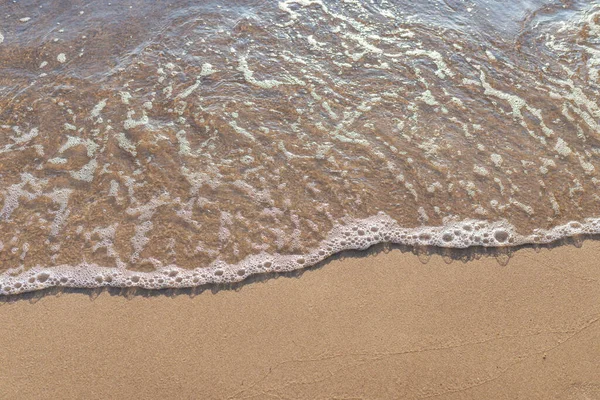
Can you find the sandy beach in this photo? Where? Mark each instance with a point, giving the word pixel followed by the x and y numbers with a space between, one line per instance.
pixel 377 326
pixel 169 145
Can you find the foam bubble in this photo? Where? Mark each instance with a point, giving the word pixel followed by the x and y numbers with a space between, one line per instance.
pixel 95 113
pixel 86 173
pixel 207 69
pixel 562 148
pixel 354 235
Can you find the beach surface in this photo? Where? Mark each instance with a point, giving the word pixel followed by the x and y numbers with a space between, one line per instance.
pixel 382 325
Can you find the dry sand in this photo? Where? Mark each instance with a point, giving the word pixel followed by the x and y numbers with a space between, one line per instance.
pixel 376 326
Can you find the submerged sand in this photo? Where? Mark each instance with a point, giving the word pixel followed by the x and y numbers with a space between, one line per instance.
pixel 195 133
pixel 372 326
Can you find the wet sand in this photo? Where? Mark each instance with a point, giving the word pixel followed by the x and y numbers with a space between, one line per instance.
pixel 383 325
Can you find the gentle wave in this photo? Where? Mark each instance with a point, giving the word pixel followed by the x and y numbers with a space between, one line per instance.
pixel 354 235
pixel 191 144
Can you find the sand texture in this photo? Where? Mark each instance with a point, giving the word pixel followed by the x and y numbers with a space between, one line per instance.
pixel 376 326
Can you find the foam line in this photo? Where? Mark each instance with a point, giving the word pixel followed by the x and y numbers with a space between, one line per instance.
pixel 355 235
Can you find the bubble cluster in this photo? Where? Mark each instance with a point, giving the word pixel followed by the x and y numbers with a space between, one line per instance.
pixel 354 235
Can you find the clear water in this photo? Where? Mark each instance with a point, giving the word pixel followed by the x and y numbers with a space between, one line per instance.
pixel 175 144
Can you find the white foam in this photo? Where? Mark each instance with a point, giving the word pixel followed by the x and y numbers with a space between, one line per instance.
pixel 72 141
pixel 57 160
pixel 125 96
pixel 126 144
pixel 60 197
pixel 481 171
pixel 86 173
pixel 249 76
pixel 95 113
pixel 354 235
pixel 189 90
pixel 442 67
pixel 207 69
pixel 131 123
pixel 496 159
pixel 562 148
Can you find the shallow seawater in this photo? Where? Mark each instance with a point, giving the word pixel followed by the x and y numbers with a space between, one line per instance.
pixel 171 144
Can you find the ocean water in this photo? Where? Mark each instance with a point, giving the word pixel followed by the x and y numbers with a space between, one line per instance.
pixel 173 144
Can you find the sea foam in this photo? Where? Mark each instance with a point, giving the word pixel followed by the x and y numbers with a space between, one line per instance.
pixel 354 235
